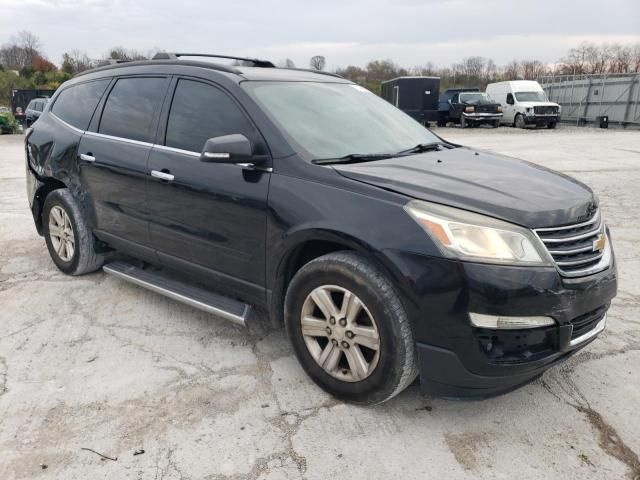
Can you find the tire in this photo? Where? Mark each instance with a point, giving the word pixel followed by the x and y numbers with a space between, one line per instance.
pixel 551 125
pixel 519 122
pixel 387 370
pixel 463 122
pixel 496 123
pixel 78 255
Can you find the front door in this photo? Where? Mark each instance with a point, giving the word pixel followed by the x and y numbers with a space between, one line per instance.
pixel 208 218
pixel 114 161
pixel 508 109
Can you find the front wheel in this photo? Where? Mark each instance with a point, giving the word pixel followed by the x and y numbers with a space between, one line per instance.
pixel 70 242
pixel 349 329
pixel 551 125
pixel 496 123
pixel 463 122
pixel 519 121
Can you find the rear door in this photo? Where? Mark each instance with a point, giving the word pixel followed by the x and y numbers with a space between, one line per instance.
pixel 208 218
pixel 114 157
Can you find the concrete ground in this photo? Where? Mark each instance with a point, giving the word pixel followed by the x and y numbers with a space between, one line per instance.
pixel 96 363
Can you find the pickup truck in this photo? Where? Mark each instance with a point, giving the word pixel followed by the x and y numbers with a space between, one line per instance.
pixel 473 109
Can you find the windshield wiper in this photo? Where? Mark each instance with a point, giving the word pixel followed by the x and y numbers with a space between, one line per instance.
pixel 353 158
pixel 424 147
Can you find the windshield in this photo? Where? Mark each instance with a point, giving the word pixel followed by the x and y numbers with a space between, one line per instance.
pixel 333 120
pixel 474 97
pixel 531 97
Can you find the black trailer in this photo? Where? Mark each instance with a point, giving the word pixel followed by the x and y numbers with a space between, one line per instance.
pixel 20 98
pixel 415 96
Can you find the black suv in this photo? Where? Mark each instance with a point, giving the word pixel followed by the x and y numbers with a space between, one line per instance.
pixel 387 251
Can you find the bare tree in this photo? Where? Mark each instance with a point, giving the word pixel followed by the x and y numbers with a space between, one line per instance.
pixel 532 69
pixel 286 63
pixel 121 53
pixel 635 58
pixel 472 67
pixel 21 51
pixel 317 62
pixel 490 70
pixel 76 61
pixel 621 58
pixel 511 70
pixel 31 45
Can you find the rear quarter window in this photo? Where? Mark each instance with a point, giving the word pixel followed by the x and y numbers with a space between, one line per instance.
pixel 76 104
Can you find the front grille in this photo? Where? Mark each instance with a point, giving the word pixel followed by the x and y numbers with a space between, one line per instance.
pixel 588 321
pixel 545 110
pixel 485 109
pixel 576 248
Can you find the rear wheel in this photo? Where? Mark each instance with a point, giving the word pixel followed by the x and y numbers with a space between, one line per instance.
pixel 349 329
pixel 519 121
pixel 69 241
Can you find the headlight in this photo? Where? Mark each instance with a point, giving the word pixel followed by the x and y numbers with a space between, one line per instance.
pixel 478 238
pixel 469 109
pixel 499 109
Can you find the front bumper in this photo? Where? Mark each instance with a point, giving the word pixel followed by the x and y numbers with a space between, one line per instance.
pixel 541 119
pixel 482 117
pixel 456 359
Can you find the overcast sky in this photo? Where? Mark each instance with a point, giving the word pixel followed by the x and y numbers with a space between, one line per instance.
pixel 411 32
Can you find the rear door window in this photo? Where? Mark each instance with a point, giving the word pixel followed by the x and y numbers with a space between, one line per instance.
pixel 75 104
pixel 200 111
pixel 131 107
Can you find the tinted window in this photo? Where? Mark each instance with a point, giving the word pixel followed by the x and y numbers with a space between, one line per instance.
pixel 199 112
pixel 129 110
pixel 75 105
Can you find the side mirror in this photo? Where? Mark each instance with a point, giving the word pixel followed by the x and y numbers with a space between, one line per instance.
pixel 234 148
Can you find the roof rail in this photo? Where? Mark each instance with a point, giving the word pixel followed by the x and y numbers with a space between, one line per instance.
pixel 174 55
pixel 313 70
pixel 110 61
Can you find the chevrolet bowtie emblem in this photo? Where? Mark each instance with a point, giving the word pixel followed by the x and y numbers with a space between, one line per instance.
pixel 599 244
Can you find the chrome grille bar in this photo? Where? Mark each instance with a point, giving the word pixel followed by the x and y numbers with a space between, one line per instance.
pixel 577 249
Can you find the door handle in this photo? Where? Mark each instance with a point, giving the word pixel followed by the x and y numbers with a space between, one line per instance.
pixel 166 176
pixel 87 157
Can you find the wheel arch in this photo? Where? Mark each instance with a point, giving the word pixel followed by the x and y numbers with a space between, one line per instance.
pixel 306 246
pixel 48 185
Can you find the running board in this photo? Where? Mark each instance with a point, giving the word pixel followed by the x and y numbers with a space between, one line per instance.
pixel 210 302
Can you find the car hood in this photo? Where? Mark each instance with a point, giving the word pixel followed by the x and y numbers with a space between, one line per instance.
pixel 495 185
pixel 481 102
pixel 538 104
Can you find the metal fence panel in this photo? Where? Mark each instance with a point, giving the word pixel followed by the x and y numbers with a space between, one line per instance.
pixel 583 98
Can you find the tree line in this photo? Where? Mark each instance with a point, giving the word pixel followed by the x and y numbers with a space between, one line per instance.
pixel 23 64
pixel 587 58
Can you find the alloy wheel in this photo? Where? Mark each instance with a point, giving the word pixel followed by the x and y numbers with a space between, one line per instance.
pixel 61 233
pixel 340 333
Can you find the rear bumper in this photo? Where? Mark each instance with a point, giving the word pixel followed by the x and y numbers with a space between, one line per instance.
pixel 456 359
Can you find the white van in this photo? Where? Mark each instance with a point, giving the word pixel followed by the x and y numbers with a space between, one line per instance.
pixel 524 103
